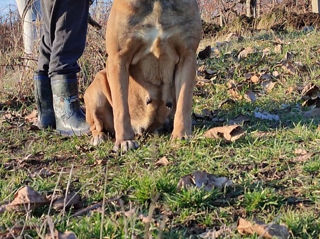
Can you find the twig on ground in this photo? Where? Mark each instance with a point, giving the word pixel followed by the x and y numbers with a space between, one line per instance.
pixel 95 206
pixel 54 192
pixel 103 202
pixel 149 217
pixel 125 221
pixel 67 190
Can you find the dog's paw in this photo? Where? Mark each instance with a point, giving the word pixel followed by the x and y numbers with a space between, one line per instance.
pixel 180 136
pixel 98 139
pixel 125 146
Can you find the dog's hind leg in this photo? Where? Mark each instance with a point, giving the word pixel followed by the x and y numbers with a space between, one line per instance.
pixel 98 135
pixel 98 108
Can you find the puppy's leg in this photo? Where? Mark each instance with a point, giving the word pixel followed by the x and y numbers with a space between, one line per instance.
pixel 184 83
pixel 118 75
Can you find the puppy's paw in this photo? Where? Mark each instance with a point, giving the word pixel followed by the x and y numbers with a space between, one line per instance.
pixel 125 146
pixel 98 139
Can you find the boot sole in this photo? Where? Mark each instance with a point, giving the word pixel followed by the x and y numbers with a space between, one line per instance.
pixel 73 132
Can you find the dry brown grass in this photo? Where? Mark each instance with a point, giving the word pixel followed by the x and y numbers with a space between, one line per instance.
pixel 16 69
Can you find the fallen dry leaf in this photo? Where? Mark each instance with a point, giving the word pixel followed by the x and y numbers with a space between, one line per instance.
pixel 226 102
pixel 310 91
pixel 311 102
pixel 14 232
pixel 275 74
pixel 278 49
pixel 289 56
pixel 201 81
pixel 250 96
pixel 266 52
pixel 210 72
pixel 130 213
pixel 235 94
pixel 303 157
pixel 202 69
pixel 263 230
pixel 73 199
pixel 43 173
pixel 289 68
pixel 8 116
pixel 232 36
pixel 214 234
pixel 266 77
pixel 230 133
pixel 311 96
pixel 247 76
pixel 162 161
pixel 231 84
pixel 245 52
pixel 186 182
pixel 24 198
pixel 300 151
pixel 216 51
pixel 268 86
pixel 32 117
pixel 290 90
pixel 239 120
pixel 60 235
pixel 266 116
pixel 145 219
pixel 202 179
pixel 255 79
pixel 300 66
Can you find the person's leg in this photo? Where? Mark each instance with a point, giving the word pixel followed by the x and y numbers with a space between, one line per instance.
pixel 46 37
pixel 69 22
pixel 42 82
pixel 69 19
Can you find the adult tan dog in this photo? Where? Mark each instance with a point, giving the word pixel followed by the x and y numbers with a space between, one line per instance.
pixel 150 72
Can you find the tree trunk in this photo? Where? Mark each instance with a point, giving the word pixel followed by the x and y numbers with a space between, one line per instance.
pixel 258 8
pixel 99 10
pixel 251 7
pixel 315 6
pixel 30 14
pixel 248 8
pixel 221 18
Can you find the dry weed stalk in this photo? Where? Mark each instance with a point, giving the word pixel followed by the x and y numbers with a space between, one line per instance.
pixel 103 202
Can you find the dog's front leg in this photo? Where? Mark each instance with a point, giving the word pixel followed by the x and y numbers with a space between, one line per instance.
pixel 184 83
pixel 118 70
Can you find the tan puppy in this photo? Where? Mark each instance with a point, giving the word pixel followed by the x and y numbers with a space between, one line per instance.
pixel 150 70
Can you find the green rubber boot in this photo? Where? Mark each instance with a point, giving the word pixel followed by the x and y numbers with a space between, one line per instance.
pixel 70 119
pixel 43 97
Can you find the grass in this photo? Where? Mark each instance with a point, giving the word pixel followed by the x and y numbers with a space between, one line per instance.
pixel 270 184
